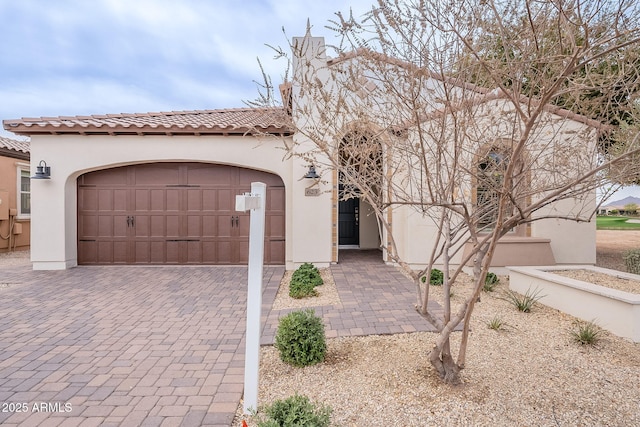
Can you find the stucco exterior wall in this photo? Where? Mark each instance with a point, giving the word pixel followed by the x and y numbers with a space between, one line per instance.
pixel 9 195
pixel 54 201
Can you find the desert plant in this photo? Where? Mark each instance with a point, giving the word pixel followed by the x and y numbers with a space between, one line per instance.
pixel 524 302
pixel 490 282
pixel 496 323
pixel 301 288
pixel 300 338
pixel 585 332
pixel 296 410
pixel 632 260
pixel 310 272
pixel 304 280
pixel 436 278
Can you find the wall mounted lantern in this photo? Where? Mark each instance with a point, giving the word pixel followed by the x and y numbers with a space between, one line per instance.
pixel 312 174
pixel 42 171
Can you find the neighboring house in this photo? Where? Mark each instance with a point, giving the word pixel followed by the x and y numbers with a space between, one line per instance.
pixel 159 188
pixel 618 206
pixel 15 195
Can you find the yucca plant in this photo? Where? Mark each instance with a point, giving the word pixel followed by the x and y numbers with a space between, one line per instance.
pixel 585 333
pixel 496 323
pixel 523 303
pixel 490 282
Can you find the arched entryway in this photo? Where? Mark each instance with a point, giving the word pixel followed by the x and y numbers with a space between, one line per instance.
pixel 361 171
pixel 174 213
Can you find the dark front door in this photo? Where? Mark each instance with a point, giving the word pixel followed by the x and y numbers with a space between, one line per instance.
pixel 348 218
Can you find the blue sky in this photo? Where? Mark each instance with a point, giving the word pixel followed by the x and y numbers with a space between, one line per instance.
pixel 80 57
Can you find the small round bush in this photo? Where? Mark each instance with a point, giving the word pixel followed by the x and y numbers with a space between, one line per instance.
pixel 437 277
pixel 300 338
pixel 299 288
pixel 308 272
pixel 296 411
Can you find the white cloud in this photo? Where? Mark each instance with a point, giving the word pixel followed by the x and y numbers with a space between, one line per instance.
pixel 74 57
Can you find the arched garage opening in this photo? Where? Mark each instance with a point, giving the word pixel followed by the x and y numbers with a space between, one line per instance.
pixel 174 213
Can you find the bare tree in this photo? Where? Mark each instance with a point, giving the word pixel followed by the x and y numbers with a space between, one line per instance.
pixel 450 109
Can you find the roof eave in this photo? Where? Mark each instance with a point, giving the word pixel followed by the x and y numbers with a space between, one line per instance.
pixel 36 129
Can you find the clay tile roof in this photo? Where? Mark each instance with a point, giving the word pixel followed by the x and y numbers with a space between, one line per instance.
pixel 237 121
pixel 12 144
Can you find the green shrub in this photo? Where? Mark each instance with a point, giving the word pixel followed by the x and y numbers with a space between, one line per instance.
pixel 300 288
pixel 632 260
pixel 585 333
pixel 524 302
pixel 490 282
pixel 300 338
pixel 296 411
pixel 496 323
pixel 304 280
pixel 436 278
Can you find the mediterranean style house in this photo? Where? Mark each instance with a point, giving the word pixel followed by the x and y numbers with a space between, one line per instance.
pixel 15 196
pixel 159 188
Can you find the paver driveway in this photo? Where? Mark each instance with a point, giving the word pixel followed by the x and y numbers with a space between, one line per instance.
pixel 123 345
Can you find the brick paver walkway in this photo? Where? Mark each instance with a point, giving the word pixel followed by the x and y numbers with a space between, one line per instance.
pixel 159 346
pixel 376 300
pixel 123 345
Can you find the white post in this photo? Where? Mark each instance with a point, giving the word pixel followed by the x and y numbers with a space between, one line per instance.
pixel 255 202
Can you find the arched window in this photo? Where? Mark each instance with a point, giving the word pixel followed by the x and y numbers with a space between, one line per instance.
pixel 490 171
pixel 361 162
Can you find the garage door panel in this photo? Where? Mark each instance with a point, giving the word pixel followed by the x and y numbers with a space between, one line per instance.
pixel 225 203
pixel 142 251
pixel 158 200
pixel 209 228
pixel 194 226
pixel 276 252
pixel 142 200
pixel 209 252
pixel 274 226
pixel 172 226
pixel 224 225
pixel 172 200
pixel 224 252
pixel 142 226
pixel 172 252
pixel 87 252
pixel 173 213
pixel 244 251
pixel 120 252
pixel 154 173
pixel 120 199
pixel 209 199
pixel 88 199
pixel 194 200
pixel 275 199
pixel 194 252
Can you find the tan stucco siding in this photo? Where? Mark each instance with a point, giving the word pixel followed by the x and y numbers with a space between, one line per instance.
pixel 55 201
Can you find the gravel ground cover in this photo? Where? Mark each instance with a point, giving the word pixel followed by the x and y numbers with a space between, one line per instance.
pixel 607 280
pixel 529 372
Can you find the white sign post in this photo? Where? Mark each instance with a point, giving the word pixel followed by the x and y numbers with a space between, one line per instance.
pixel 255 202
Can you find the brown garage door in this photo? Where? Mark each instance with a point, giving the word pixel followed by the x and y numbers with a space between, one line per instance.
pixel 174 213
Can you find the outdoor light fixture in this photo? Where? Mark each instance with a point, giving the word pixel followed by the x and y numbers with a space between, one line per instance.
pixel 42 171
pixel 312 174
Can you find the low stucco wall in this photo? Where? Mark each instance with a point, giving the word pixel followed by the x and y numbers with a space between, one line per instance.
pixel 613 310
